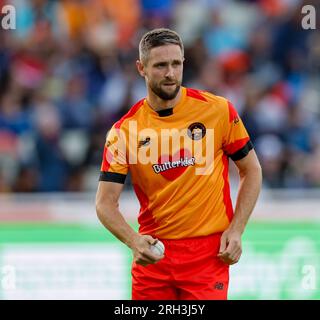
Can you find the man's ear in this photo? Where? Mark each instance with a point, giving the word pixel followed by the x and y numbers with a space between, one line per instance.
pixel 140 68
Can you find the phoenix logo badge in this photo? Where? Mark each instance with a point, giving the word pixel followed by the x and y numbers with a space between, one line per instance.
pixel 196 131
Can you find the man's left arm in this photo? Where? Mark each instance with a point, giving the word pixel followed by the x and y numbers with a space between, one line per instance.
pixel 249 188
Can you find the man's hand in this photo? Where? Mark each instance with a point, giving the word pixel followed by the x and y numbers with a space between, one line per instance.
pixel 230 247
pixel 141 250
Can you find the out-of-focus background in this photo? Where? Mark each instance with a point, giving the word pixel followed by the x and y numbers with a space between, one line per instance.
pixel 67 73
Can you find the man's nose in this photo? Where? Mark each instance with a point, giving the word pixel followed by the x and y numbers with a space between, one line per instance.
pixel 169 73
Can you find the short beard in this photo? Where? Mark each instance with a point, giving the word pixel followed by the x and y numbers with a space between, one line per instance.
pixel 164 95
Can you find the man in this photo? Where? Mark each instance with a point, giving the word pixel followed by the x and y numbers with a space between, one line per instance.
pixel 184 196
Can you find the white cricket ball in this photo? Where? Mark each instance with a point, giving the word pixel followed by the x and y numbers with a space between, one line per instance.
pixel 157 248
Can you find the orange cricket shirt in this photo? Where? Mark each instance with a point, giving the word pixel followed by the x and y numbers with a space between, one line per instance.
pixel 178 160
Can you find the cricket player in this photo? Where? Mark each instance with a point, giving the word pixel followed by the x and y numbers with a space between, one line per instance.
pixel 176 143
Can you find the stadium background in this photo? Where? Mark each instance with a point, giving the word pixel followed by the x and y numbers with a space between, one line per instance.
pixel 68 72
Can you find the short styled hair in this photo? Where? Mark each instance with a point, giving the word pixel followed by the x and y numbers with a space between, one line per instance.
pixel 157 38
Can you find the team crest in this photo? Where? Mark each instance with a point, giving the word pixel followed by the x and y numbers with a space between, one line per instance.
pixel 196 131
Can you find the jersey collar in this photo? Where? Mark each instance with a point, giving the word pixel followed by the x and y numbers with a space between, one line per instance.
pixel 167 112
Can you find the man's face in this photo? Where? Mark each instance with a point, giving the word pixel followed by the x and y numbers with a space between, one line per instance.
pixel 163 71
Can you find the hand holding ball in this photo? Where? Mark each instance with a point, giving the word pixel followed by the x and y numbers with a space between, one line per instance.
pixel 157 248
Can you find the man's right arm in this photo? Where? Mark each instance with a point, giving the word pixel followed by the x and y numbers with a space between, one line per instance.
pixel 107 207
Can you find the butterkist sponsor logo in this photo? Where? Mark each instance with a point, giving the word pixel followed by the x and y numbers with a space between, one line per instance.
pixel 183 162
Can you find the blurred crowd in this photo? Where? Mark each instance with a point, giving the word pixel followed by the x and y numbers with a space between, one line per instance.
pixel 67 73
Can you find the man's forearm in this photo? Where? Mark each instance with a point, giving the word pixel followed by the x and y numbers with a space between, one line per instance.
pixel 112 219
pixel 249 189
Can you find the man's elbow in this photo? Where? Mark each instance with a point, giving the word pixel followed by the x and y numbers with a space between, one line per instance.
pixel 100 210
pixel 104 208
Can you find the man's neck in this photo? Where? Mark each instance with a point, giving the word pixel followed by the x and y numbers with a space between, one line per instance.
pixel 157 104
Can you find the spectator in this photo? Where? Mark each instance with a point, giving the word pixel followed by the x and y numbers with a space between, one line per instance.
pixel 66 75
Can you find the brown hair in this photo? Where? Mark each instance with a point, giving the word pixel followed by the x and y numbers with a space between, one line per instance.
pixel 156 38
